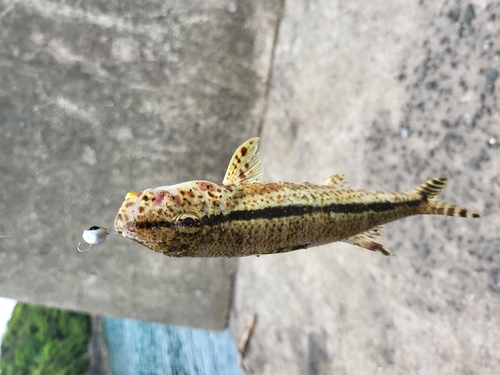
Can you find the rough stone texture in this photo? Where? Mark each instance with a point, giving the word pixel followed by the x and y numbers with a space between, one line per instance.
pixel 98 355
pixel 390 93
pixel 98 98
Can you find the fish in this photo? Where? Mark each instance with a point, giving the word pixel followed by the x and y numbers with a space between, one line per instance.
pixel 244 216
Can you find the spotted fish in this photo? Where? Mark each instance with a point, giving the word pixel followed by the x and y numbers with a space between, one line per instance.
pixel 244 216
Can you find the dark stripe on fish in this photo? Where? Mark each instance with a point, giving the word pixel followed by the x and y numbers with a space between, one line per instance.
pixel 152 224
pixel 286 211
pixel 298 210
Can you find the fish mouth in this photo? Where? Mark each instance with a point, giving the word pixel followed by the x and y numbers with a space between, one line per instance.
pixel 142 220
pixel 122 228
pixel 155 235
pixel 153 225
pixel 159 240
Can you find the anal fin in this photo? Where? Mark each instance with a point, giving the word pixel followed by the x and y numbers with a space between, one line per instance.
pixel 368 240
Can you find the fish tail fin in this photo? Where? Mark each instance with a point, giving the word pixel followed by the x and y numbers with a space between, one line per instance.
pixel 428 192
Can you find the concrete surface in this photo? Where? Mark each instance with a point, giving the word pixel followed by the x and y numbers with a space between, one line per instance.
pixel 98 98
pixel 390 93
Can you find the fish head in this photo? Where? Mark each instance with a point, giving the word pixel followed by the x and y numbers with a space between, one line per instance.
pixel 167 219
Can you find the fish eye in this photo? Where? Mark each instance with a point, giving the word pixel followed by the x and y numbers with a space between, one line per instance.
pixel 188 223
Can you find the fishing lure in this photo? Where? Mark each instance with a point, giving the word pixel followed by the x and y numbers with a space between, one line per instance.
pixel 244 216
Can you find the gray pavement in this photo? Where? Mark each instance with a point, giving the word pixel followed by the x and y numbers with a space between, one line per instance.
pixel 99 98
pixel 390 93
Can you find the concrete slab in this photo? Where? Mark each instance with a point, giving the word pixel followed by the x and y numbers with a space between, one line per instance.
pixel 390 93
pixel 99 98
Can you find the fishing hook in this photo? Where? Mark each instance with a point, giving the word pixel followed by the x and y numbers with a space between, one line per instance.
pixel 93 236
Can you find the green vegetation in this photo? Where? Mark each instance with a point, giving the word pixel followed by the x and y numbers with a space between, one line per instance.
pixel 42 340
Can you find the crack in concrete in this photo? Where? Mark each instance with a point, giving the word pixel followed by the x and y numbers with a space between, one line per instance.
pixel 259 132
pixel 7 10
pixel 271 67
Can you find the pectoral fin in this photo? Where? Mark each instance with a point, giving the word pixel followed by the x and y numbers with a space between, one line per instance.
pixel 245 165
pixel 368 241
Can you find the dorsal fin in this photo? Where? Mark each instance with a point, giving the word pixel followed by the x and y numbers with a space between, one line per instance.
pixel 337 179
pixel 368 241
pixel 245 165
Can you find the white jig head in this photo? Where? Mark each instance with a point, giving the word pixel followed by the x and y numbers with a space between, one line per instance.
pixel 93 236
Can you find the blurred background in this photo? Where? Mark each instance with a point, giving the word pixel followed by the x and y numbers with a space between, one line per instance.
pixel 99 98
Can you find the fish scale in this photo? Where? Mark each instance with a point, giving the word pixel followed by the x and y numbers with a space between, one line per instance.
pixel 244 216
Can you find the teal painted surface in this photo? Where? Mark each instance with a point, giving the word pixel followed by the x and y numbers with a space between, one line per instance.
pixel 137 348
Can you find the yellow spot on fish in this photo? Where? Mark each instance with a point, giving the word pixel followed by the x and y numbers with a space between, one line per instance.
pixel 131 194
